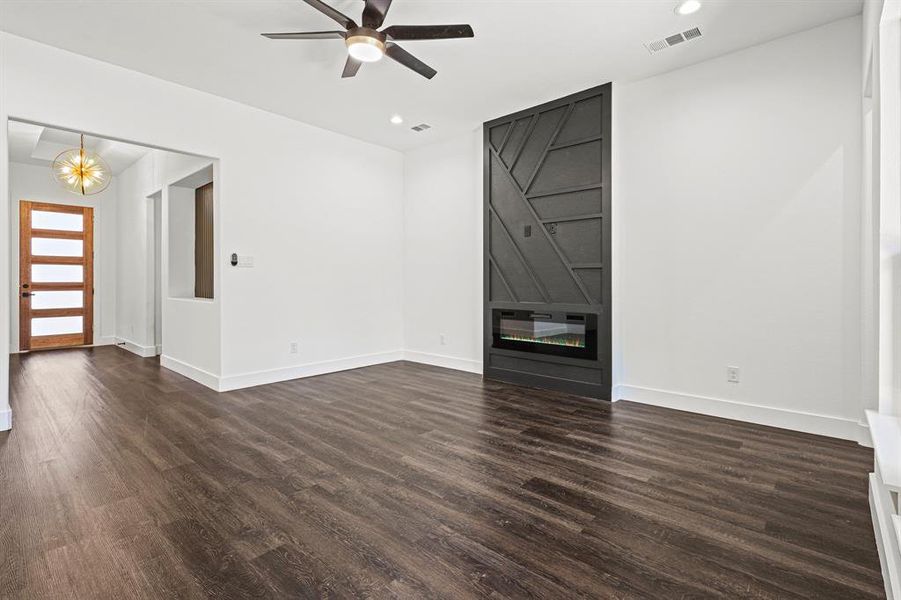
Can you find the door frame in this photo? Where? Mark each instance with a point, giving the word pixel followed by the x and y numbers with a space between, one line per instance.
pixel 26 286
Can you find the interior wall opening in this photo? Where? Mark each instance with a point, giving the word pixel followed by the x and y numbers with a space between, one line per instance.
pixel 191 239
pixel 91 252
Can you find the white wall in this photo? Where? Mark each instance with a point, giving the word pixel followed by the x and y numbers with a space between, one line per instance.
pixel 35 183
pixel 881 261
pixel 885 170
pixel 869 214
pixel 5 252
pixel 738 198
pixel 181 242
pixel 443 253
pixel 322 216
pixel 133 318
pixel 157 199
pixel 328 258
pixel 737 234
pixel 193 324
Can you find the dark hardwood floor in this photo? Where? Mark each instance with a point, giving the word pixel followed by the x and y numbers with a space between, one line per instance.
pixel 124 480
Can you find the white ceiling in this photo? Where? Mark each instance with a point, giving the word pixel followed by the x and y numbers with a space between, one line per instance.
pixel 37 145
pixel 525 52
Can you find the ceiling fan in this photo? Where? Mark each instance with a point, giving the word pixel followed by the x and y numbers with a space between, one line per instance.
pixel 366 44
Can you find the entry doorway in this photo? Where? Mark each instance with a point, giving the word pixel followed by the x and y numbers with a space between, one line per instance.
pixel 56 275
pixel 131 265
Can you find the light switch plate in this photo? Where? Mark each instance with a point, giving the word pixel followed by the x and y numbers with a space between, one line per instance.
pixel 245 261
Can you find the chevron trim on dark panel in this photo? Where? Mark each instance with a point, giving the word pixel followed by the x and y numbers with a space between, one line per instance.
pixel 547 216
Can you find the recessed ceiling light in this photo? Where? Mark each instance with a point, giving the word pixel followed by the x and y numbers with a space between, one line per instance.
pixel 688 7
pixel 397 119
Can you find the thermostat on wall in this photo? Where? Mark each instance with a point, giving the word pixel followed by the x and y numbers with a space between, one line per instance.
pixel 240 261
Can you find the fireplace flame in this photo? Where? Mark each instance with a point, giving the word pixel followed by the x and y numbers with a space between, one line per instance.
pixel 572 341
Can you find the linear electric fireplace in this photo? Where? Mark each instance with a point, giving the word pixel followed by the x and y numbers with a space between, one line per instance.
pixel 559 334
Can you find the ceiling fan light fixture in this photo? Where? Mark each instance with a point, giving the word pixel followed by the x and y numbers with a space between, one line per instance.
pixel 366 43
pixel 365 48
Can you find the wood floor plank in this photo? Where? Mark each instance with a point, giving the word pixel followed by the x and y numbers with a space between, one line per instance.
pixel 122 479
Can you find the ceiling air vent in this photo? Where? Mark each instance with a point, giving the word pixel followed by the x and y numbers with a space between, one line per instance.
pixel 656 46
pixel 674 39
pixel 671 40
pixel 691 34
pixel 421 127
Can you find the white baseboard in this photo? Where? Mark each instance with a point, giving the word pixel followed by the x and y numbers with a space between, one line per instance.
pixel 245 380
pixel 863 434
pixel 142 351
pixel 837 427
pixel 191 372
pixel 6 419
pixel 440 360
pixel 255 378
pixel 616 393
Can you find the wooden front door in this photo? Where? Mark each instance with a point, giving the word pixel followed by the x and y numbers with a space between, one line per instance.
pixel 56 275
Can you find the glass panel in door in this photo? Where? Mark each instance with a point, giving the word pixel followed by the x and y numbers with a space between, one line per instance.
pixel 56 325
pixel 56 247
pixel 61 221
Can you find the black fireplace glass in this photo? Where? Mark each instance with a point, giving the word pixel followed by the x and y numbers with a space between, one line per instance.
pixel 560 334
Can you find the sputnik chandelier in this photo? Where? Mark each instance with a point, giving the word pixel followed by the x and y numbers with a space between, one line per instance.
pixel 81 171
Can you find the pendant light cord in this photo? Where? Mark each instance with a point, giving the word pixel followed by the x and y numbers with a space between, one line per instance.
pixel 81 163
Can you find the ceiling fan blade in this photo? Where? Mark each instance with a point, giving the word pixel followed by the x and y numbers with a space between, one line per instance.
pixel 336 15
pixel 374 13
pixel 351 67
pixel 409 61
pixel 305 35
pixel 428 32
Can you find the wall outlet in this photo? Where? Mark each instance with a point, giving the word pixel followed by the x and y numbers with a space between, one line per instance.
pixel 292 348
pixel 733 374
pixel 443 339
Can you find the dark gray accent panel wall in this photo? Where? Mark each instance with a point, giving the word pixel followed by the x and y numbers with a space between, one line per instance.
pixel 547 231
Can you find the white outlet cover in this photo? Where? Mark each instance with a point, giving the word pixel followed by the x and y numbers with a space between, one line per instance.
pixel 245 261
